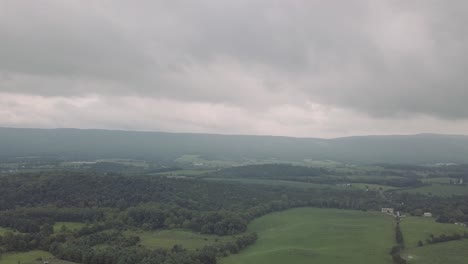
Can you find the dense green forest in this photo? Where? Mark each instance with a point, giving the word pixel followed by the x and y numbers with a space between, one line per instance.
pixel 110 204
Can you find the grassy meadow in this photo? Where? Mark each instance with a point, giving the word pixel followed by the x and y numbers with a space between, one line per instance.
pixel 322 236
pixel 24 257
pixel 68 225
pixel 453 252
pixel 3 230
pixel 420 228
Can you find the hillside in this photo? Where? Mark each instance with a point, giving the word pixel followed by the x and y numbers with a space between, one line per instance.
pixel 96 144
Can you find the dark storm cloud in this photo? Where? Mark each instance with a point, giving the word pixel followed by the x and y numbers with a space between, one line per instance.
pixel 392 59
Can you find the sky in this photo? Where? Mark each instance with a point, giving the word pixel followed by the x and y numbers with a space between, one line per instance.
pixel 272 67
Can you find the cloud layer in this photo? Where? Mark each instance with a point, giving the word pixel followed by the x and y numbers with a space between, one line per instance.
pixel 300 68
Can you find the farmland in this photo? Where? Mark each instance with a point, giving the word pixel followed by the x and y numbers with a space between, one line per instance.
pixel 24 257
pixel 67 225
pixel 3 230
pixel 311 235
pixel 453 252
pixel 420 228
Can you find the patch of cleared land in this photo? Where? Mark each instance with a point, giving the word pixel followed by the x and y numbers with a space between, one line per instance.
pixel 169 238
pixel 68 225
pixel 24 257
pixel 420 228
pixel 3 230
pixel 453 252
pixel 320 236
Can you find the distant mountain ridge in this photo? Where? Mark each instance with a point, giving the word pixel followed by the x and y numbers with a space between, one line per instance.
pixel 97 144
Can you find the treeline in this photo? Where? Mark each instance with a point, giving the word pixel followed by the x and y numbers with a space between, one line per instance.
pixel 118 248
pixel 30 220
pixel 443 238
pixel 445 209
pixel 156 217
pixel 400 245
pixel 313 175
pixel 82 251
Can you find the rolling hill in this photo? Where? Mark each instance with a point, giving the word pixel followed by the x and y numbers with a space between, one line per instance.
pixel 96 144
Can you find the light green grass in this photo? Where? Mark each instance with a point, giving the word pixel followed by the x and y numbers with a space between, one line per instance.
pixel 319 236
pixel 419 228
pixel 453 252
pixel 24 257
pixel 439 190
pixel 169 238
pixel 72 226
pixel 3 230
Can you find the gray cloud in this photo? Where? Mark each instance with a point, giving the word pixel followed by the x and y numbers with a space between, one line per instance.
pixel 389 60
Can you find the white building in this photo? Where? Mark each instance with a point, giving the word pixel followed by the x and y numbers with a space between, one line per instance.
pixel 388 210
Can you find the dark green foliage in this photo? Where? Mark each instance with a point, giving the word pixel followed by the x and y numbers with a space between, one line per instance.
pixel 399 235
pixel 445 238
pixel 396 250
pixel 109 204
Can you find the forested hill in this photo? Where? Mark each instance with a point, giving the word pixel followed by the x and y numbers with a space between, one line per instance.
pixel 96 144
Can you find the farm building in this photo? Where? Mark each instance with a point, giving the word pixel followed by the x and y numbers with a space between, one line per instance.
pixel 427 214
pixel 387 210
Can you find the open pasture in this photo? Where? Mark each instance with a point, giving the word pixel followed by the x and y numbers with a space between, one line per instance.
pixel 72 226
pixel 24 257
pixel 453 252
pixel 321 236
pixel 420 228
pixel 3 230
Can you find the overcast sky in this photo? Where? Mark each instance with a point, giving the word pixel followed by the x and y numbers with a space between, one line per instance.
pixel 297 68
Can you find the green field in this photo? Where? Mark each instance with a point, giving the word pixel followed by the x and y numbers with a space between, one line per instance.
pixel 169 238
pixel 24 257
pixel 3 230
pixel 68 225
pixel 319 236
pixel 419 228
pixel 453 252
pixel 439 190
